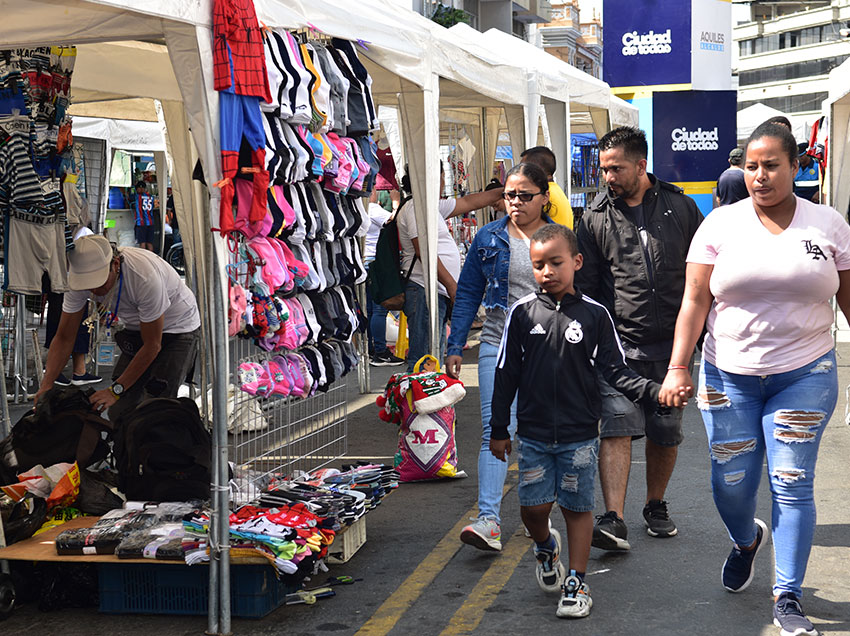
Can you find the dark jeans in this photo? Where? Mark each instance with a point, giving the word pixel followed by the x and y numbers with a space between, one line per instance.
pixel 376 326
pixel 165 374
pixel 54 313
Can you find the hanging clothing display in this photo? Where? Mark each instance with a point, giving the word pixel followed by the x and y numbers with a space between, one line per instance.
pixel 297 164
pixel 34 139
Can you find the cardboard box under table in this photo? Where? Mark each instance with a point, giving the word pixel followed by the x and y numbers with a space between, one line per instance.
pixel 148 586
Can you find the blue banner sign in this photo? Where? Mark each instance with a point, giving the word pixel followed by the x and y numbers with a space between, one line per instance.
pixel 692 134
pixel 646 42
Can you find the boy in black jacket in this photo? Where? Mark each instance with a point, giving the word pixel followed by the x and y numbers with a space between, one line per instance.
pixel 552 342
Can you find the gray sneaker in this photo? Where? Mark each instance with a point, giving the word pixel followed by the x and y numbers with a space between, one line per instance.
pixel 484 534
pixel 789 617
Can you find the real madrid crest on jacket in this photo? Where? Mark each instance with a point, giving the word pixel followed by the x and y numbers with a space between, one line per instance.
pixel 549 350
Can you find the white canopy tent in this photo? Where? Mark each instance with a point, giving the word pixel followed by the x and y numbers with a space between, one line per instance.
pixel 751 116
pixel 133 51
pixel 837 108
pixel 130 135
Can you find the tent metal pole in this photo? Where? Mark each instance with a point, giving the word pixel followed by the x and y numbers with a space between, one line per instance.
pixel 220 381
pixel 212 363
pixel 6 423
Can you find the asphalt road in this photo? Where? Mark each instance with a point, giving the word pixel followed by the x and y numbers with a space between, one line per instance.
pixel 419 579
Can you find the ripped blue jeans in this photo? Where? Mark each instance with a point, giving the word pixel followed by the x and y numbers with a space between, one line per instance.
pixel 564 471
pixel 781 416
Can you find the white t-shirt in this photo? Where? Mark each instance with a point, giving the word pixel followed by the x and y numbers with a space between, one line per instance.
pixel 377 217
pixel 150 289
pixel 446 246
pixel 771 311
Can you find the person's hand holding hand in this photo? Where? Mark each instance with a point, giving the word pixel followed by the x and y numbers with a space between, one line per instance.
pixel 500 448
pixel 676 389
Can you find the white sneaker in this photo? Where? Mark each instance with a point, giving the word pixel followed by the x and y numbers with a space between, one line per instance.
pixel 550 571
pixel 484 534
pixel 575 598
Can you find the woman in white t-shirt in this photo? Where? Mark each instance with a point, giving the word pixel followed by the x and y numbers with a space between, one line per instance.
pixel 760 276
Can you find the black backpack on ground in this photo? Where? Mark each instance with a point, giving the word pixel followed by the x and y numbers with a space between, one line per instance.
pixel 64 427
pixel 163 451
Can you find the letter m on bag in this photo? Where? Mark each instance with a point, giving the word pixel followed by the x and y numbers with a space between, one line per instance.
pixel 429 437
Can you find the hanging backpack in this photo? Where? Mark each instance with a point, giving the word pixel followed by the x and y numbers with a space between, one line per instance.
pixel 386 280
pixel 163 451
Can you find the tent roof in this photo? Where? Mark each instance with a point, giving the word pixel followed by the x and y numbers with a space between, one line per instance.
pixel 751 116
pixel 141 136
pixel 585 90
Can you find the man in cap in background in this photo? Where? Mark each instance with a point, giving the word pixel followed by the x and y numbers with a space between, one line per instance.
pixel 151 313
pixel 730 183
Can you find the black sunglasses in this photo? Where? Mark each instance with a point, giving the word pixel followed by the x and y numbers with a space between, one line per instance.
pixel 525 197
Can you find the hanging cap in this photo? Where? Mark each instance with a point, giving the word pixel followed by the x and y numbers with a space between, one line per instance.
pixel 89 262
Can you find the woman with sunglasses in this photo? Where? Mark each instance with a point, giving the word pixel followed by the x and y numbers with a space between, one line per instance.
pixel 498 272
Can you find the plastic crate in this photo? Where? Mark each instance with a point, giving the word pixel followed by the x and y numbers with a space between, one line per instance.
pixel 348 542
pixel 138 588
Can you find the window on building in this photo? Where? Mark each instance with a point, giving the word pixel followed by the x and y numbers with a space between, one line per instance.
pixel 791 103
pixel 809 68
pixel 787 39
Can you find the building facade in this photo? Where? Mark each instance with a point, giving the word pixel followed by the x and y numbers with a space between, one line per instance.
pixel 783 53
pixel 571 40
pixel 510 16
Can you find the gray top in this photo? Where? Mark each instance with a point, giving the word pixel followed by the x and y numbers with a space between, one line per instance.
pixel 520 283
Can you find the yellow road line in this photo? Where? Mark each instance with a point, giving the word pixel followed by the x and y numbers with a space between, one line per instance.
pixel 469 615
pixel 391 610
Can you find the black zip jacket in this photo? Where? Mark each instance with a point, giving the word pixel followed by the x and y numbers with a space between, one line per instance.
pixel 549 352
pixel 643 301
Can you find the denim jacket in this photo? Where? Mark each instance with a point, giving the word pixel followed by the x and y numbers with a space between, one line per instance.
pixel 484 275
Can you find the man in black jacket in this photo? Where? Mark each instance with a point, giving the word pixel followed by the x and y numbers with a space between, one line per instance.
pixel 634 239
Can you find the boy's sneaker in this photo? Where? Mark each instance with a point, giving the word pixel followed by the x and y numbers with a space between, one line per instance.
pixel 61 380
pixel 658 522
pixel 550 571
pixel 737 572
pixel 385 359
pixel 789 617
pixel 575 598
pixel 610 532
pixel 85 378
pixel 484 534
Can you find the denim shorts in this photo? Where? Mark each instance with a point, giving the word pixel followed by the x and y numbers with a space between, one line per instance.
pixel 623 418
pixel 565 472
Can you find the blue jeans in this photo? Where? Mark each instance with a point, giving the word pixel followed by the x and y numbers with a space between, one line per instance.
pixel 564 471
pixel 377 325
pixel 491 471
pixel 781 416
pixel 418 323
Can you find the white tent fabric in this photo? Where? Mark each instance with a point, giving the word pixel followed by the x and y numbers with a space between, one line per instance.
pixel 837 107
pixel 751 116
pixel 121 133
